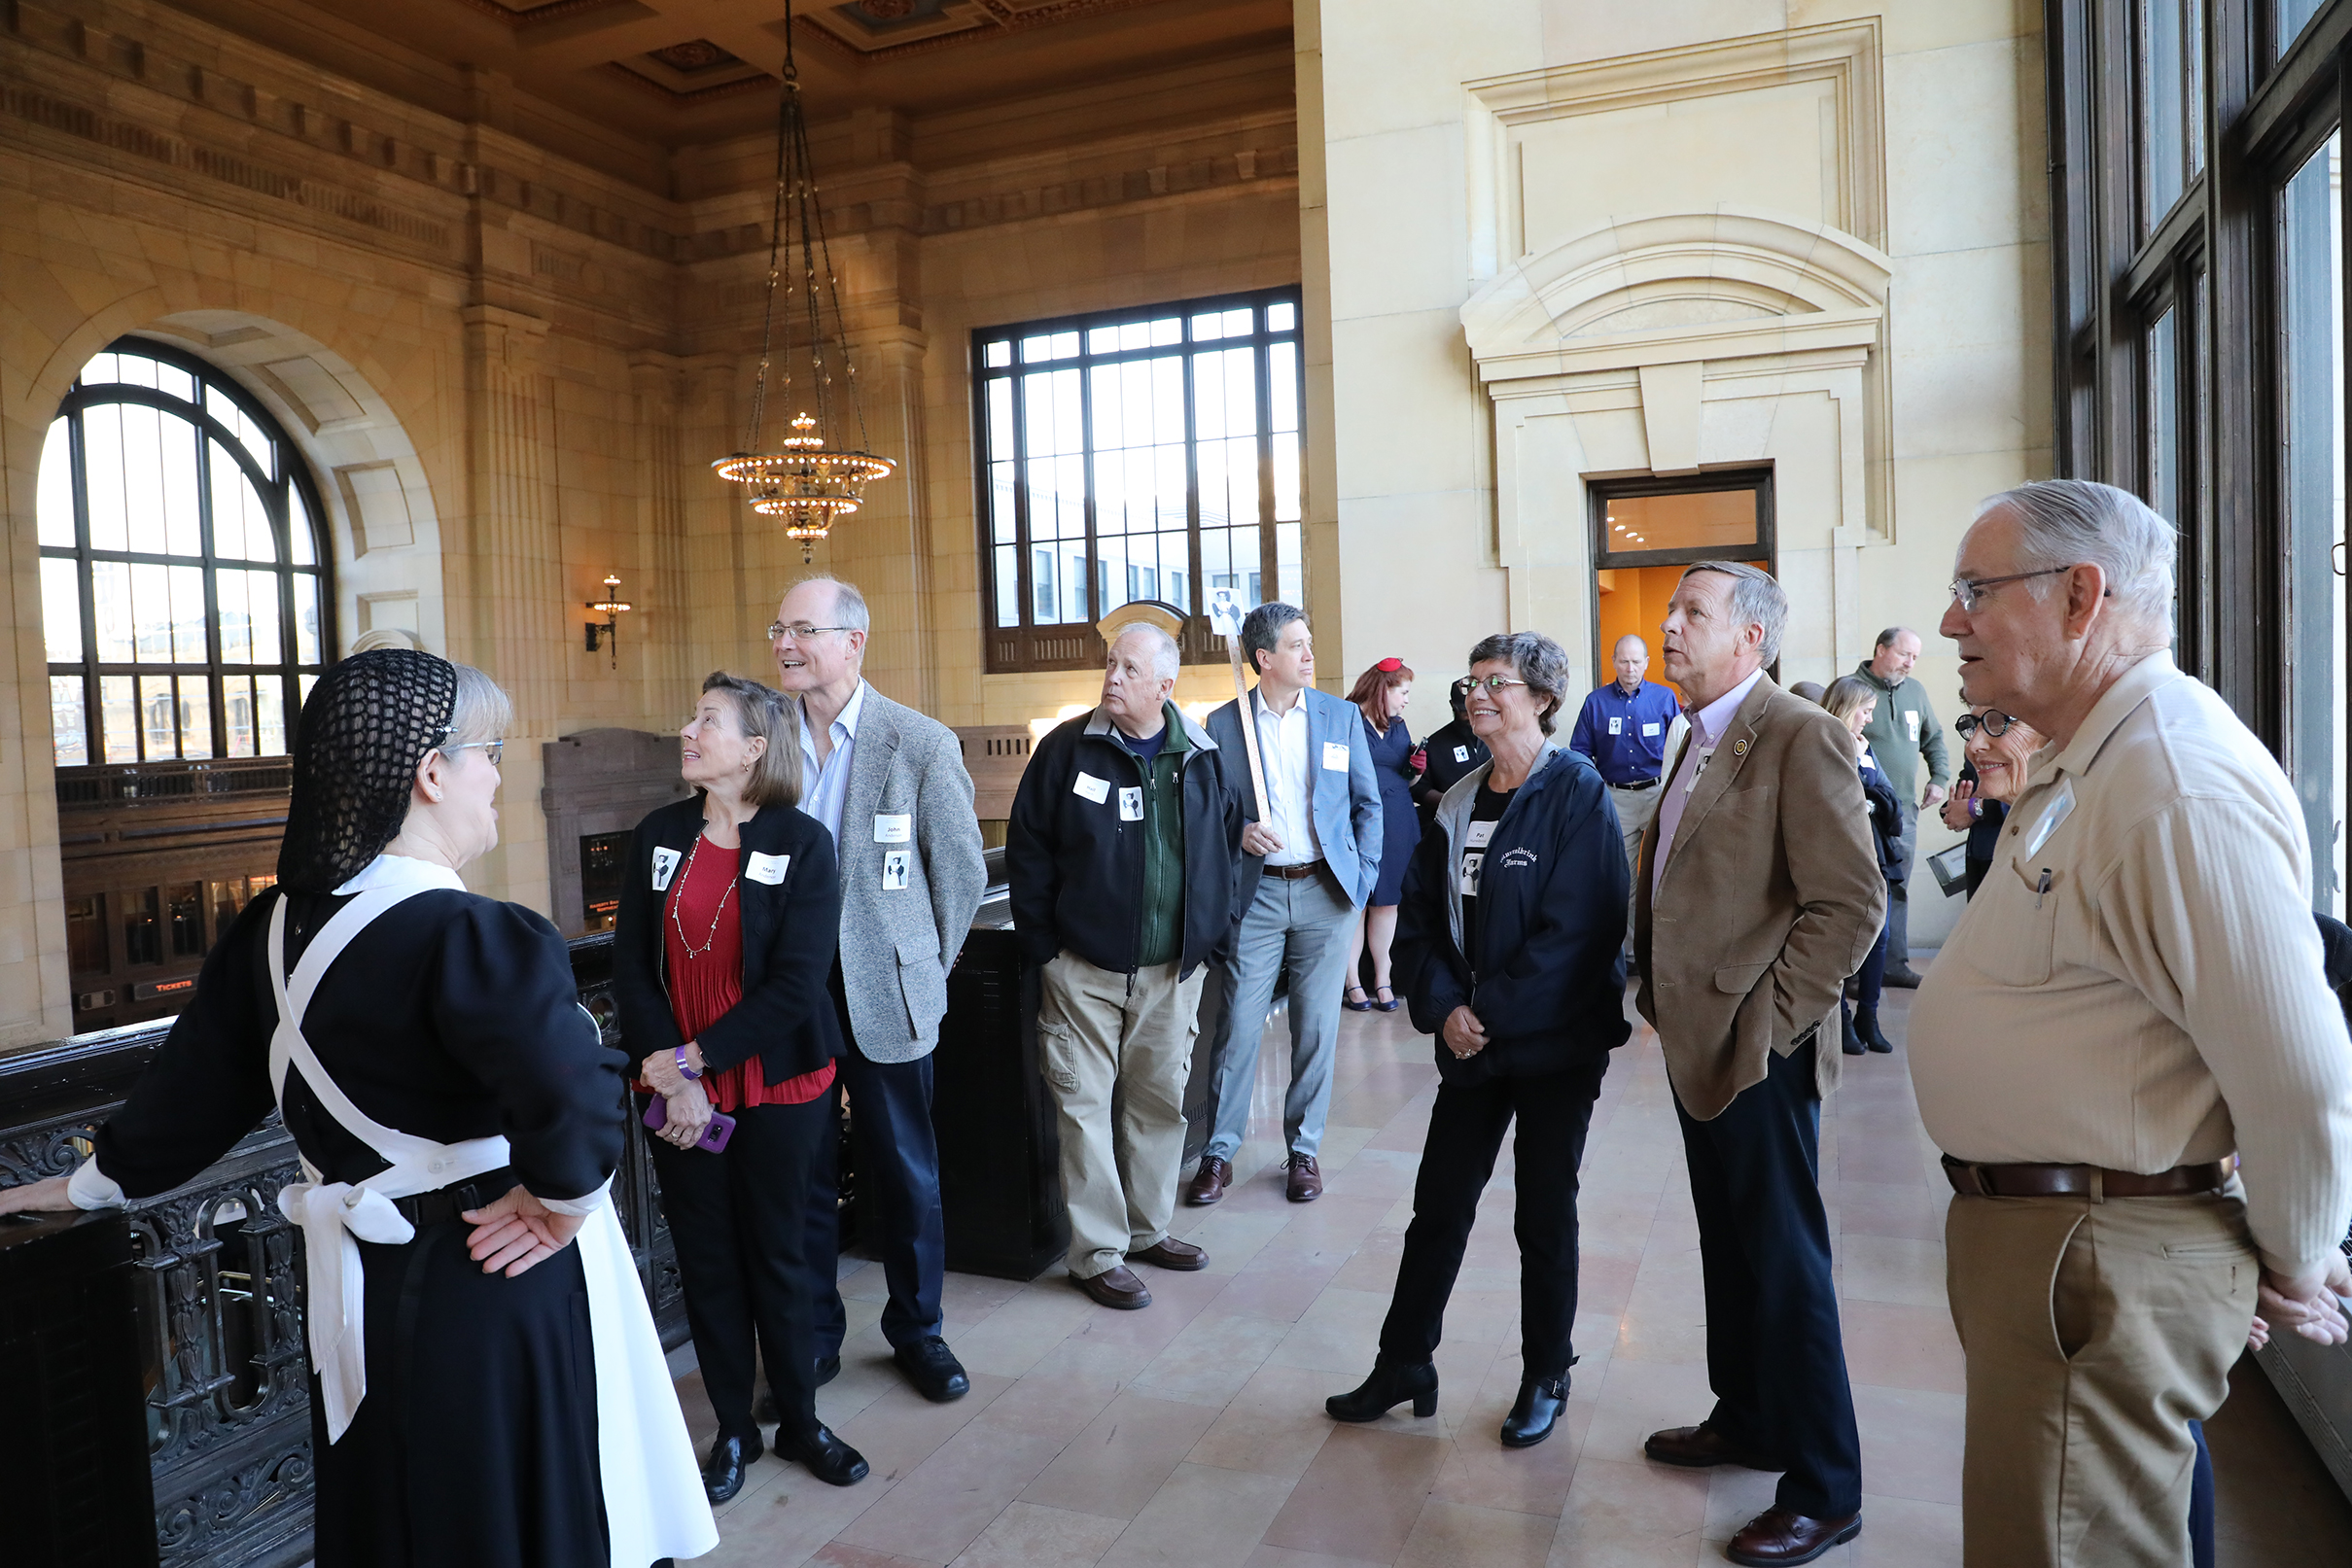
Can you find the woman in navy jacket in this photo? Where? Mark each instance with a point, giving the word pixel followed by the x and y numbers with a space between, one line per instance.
pixel 1853 699
pixel 1508 947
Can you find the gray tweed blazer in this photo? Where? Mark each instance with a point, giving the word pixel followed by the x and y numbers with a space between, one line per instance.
pixel 901 928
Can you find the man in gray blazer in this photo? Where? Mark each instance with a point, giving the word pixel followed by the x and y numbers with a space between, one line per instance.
pixel 891 785
pixel 1305 873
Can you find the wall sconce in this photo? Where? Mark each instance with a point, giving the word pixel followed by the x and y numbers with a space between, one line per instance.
pixel 608 630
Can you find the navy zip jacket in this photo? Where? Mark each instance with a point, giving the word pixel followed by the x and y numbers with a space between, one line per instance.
pixel 1885 819
pixel 1076 862
pixel 1548 977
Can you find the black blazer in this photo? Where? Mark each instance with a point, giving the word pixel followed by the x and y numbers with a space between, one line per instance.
pixel 791 930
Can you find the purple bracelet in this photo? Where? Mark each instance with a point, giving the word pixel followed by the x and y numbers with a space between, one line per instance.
pixel 680 1057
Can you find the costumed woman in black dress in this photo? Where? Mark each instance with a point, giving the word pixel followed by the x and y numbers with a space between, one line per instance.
pixel 1379 695
pixel 486 1387
pixel 729 915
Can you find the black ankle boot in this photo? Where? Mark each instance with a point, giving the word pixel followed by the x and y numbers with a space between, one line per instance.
pixel 1867 1026
pixel 1536 1412
pixel 1388 1386
pixel 1845 1021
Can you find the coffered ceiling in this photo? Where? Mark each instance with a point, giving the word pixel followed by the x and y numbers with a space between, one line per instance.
pixel 677 72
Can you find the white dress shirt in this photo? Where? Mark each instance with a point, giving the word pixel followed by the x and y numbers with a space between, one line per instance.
pixel 1708 725
pixel 825 785
pixel 1290 798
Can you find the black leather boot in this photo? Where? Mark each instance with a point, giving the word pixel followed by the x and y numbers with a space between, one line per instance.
pixel 1388 1386
pixel 1845 1020
pixel 1866 1024
pixel 1536 1412
pixel 723 1472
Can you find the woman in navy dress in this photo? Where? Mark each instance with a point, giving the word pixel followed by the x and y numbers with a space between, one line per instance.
pixel 1381 694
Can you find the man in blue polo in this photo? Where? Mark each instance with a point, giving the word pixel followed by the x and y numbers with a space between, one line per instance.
pixel 1624 729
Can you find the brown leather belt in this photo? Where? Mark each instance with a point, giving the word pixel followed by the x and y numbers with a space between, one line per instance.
pixel 1295 872
pixel 2093 1182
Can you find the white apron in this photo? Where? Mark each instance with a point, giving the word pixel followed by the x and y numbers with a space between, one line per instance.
pixel 652 1488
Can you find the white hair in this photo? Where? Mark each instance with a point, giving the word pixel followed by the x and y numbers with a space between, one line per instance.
pixel 1167 659
pixel 1757 600
pixel 849 605
pixel 2080 522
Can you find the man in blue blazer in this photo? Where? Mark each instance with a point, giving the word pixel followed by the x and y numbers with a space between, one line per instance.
pixel 1306 870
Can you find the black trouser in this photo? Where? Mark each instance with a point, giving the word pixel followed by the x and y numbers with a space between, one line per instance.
pixel 1775 1356
pixel 1466 1126
pixel 740 1222
pixel 898 1165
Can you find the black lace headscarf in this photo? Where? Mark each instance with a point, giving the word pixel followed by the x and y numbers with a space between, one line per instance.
pixel 368 722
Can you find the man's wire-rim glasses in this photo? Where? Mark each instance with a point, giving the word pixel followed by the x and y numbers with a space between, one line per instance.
pixel 1968 590
pixel 778 631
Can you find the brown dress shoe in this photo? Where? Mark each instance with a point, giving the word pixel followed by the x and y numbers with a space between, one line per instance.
pixel 1696 1447
pixel 1116 1287
pixel 1170 1253
pixel 1306 1182
pixel 1777 1536
pixel 1208 1183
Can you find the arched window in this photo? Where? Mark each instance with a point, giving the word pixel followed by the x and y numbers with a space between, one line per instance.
pixel 184 598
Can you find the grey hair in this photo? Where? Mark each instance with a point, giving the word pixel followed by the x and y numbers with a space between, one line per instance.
pixel 849 605
pixel 1886 639
pixel 1167 659
pixel 1757 600
pixel 2079 522
pixel 482 711
pixel 1534 658
pixel 1262 628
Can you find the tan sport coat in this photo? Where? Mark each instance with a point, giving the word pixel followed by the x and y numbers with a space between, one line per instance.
pixel 1772 897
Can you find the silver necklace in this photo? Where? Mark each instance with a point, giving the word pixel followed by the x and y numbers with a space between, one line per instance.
pixel 711 939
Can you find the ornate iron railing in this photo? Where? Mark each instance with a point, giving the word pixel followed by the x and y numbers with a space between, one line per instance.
pixel 220 1291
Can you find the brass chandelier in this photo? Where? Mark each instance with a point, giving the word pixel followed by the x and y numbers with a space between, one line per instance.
pixel 810 483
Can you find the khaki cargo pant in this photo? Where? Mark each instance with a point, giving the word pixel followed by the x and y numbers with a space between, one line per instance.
pixel 2094 1334
pixel 1114 1051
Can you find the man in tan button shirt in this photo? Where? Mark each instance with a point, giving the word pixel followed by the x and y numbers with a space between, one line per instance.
pixel 2134 995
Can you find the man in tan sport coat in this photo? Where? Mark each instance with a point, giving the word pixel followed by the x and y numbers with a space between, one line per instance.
pixel 1759 893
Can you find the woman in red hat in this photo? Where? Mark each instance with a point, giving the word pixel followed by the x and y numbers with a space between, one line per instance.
pixel 1381 694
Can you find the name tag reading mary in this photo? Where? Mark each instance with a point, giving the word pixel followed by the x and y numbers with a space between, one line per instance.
pixel 766 869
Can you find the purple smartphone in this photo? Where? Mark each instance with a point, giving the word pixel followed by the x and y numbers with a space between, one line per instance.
pixel 714 1136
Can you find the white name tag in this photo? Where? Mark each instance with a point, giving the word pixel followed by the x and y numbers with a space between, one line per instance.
pixel 894 829
pixel 766 868
pixel 1481 835
pixel 1616 726
pixel 1649 731
pixel 2060 807
pixel 1130 805
pixel 665 867
pixel 897 866
pixel 1093 789
pixel 1461 754
pixel 1335 755
pixel 1910 722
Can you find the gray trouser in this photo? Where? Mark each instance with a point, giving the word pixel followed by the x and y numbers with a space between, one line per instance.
pixel 1898 902
pixel 1636 809
pixel 1299 926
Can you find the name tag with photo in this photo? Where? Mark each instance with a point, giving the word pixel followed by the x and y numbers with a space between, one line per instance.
pixel 1130 805
pixel 1469 872
pixel 767 869
pixel 897 866
pixel 1616 726
pixel 665 867
pixel 1335 756
pixel 1461 754
pixel 893 828
pixel 1091 788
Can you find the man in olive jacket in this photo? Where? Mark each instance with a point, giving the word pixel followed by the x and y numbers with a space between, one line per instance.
pixel 1903 732
pixel 1758 893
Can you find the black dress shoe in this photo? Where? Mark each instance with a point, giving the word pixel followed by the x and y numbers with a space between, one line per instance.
pixel 1536 1412
pixel 723 1472
pixel 827 1459
pixel 933 1368
pixel 1388 1386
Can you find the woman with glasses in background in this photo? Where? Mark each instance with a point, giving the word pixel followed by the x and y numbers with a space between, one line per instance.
pixel 1854 699
pixel 2000 748
pixel 729 915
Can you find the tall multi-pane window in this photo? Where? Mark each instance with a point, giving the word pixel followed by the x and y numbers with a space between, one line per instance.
pixel 2172 99
pixel 2311 457
pixel 183 598
pixel 1149 454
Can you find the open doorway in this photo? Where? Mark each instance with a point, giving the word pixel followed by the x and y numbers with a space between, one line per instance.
pixel 1646 530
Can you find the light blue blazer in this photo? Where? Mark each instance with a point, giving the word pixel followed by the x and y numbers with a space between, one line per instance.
pixel 1346 804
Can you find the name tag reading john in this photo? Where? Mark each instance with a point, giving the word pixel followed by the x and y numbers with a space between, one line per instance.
pixel 766 869
pixel 893 828
pixel 1091 788
pixel 1335 756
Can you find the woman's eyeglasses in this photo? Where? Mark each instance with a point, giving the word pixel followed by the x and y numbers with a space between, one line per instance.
pixel 1994 723
pixel 492 749
pixel 1494 684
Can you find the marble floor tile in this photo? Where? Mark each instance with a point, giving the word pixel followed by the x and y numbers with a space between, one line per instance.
pixel 1363 1495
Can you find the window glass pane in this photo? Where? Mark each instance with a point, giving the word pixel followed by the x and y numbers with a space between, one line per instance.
pixel 1281 385
pixel 195 716
pixel 150 613
pixel 301 536
pixel 86 934
pixel 236 711
pixel 100 368
pixel 227 897
pixel 143 477
pixel 134 370
pixel 1000 354
pixel 2164 416
pixel 110 594
pixel 1718 519
pixel 237 619
pixel 53 502
pixel 2289 19
pixel 102 475
pixel 1282 318
pixel 61 610
pixel 2172 101
pixel 1287 493
pixel 186 614
pixel 1008 585
pixel 270 715
pixel 240 522
pixel 1290 563
pixel 184 907
pixel 118 717
pixel 158 716
pixel 142 937
pixel 176 381
pixel 262 602
pixel 1001 419
pixel 250 436
pixel 2312 257
pixel 67 728
pixel 305 620
pixel 306 683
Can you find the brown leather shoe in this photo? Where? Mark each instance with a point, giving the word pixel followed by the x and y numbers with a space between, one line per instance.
pixel 1208 1183
pixel 1696 1447
pixel 1116 1287
pixel 1306 1182
pixel 1777 1536
pixel 1170 1253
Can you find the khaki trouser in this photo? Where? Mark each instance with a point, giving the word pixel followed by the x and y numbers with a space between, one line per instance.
pixel 1114 1050
pixel 1636 809
pixel 2094 1334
